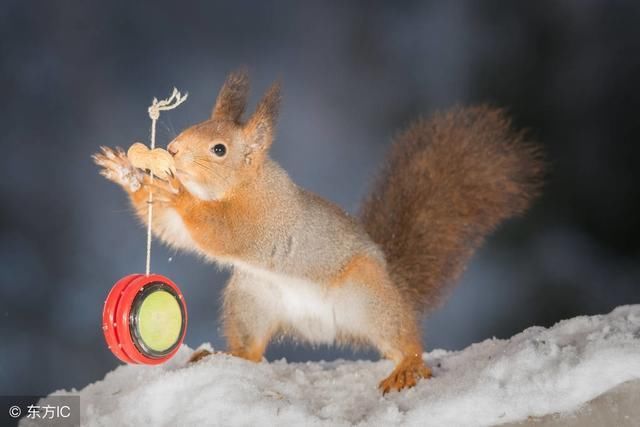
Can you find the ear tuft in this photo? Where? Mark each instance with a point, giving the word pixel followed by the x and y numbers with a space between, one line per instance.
pixel 260 128
pixel 232 98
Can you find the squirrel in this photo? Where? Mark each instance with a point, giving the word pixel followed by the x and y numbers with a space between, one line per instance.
pixel 303 267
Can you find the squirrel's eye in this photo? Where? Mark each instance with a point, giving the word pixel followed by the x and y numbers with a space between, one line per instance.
pixel 219 150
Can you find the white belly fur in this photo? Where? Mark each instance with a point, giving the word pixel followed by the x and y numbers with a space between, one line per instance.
pixel 173 231
pixel 316 313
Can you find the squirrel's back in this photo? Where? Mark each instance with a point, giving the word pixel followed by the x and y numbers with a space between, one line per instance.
pixel 448 182
pixel 300 233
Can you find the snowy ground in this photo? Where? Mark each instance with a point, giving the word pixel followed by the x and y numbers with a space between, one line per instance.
pixel 535 373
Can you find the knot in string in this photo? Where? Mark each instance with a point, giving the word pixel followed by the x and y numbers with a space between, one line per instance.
pixel 154 112
pixel 170 103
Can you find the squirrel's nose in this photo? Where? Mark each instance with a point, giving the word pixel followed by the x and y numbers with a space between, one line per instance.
pixel 172 148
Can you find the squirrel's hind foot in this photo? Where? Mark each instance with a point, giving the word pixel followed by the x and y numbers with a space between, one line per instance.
pixel 405 375
pixel 198 355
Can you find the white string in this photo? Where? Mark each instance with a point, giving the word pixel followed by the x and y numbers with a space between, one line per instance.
pixel 170 103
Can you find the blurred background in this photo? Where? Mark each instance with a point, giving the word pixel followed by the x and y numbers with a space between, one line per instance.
pixel 76 75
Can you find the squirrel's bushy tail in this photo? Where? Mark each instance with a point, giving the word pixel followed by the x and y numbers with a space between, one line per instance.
pixel 449 181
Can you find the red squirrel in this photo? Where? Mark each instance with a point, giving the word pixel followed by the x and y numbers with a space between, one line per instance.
pixel 303 267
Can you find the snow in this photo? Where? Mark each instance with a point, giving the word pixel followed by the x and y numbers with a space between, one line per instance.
pixel 617 407
pixel 535 373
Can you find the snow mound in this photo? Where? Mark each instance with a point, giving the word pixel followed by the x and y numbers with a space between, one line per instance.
pixel 537 372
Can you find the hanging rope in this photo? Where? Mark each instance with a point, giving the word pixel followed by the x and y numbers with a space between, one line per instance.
pixel 170 103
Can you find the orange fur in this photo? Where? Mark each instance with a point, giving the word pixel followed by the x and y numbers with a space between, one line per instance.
pixel 361 269
pixel 252 350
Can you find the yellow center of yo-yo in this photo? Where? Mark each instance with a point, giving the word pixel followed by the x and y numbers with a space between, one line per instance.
pixel 159 321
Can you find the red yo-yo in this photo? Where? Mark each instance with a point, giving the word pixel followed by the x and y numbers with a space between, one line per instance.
pixel 144 319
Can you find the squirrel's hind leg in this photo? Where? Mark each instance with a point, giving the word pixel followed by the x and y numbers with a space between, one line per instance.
pixel 393 325
pixel 248 327
pixel 398 338
pixel 248 324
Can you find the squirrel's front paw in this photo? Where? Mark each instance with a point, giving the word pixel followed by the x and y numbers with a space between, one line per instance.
pixel 166 190
pixel 116 167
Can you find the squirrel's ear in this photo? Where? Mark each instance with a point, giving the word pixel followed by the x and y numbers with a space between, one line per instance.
pixel 232 98
pixel 260 128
